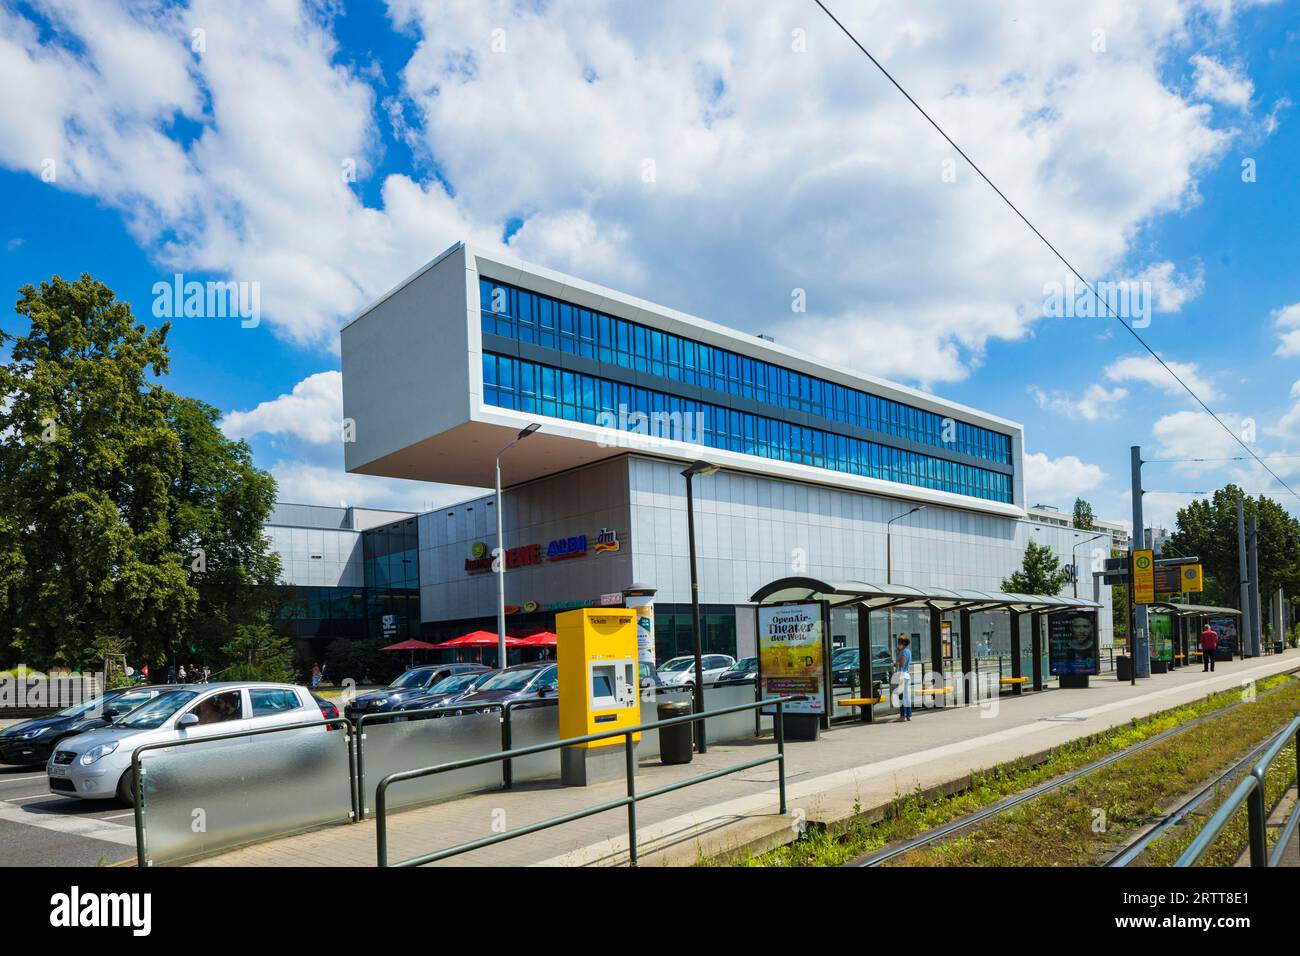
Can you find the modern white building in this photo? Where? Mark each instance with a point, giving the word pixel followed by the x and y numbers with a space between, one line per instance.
pixel 823 470
pixel 344 572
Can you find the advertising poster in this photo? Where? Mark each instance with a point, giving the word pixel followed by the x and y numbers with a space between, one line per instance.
pixel 1072 644
pixel 792 655
pixel 1162 642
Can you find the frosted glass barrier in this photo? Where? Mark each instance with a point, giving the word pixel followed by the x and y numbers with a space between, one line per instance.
pixel 729 726
pixel 391 746
pixel 530 726
pixel 212 796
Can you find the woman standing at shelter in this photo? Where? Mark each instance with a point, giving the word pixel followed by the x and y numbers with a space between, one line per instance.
pixel 903 678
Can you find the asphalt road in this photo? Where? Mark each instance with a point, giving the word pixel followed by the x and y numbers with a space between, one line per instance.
pixel 38 828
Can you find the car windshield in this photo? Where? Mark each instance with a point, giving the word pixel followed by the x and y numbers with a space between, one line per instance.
pixel 454 683
pixel 678 664
pixel 845 655
pixel 411 679
pixel 155 713
pixel 510 679
pixel 85 707
pixel 748 664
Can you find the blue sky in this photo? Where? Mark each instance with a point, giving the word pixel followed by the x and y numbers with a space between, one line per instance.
pixel 707 157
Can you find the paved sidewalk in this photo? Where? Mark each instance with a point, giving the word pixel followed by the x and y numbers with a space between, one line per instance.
pixel 852 769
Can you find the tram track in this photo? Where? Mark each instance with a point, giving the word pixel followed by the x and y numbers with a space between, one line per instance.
pixel 901 848
pixel 1138 845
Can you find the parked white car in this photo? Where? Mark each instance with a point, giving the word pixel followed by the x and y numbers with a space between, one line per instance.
pixel 97 765
pixel 680 671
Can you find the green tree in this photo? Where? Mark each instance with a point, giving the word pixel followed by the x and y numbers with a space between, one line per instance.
pixel 1207 528
pixel 110 484
pixel 1040 572
pixel 259 653
pixel 1083 516
pixel 1119 604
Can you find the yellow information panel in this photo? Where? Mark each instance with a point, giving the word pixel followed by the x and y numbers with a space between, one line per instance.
pixel 1144 577
pixel 1192 578
pixel 597 657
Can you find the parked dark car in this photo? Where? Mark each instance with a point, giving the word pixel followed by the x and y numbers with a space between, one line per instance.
pixel 846 667
pixel 414 683
pixel 328 710
pixel 448 690
pixel 32 741
pixel 742 672
pixel 535 681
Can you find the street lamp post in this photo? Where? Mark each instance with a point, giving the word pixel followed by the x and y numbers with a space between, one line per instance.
pixel 889 569
pixel 1074 563
pixel 889 543
pixel 698 468
pixel 501 550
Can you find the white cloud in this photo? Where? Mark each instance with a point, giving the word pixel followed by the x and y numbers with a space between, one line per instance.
pixel 312 412
pixel 772 170
pixel 1287 321
pixel 1146 370
pixel 1059 479
pixel 1222 83
pixel 1095 404
pixel 1194 434
pixel 304 483
pixel 1171 290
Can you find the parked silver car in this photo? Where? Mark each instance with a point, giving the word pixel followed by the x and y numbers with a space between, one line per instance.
pixel 97 765
pixel 680 671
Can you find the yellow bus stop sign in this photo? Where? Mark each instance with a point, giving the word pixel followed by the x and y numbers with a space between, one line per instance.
pixel 1191 578
pixel 1144 577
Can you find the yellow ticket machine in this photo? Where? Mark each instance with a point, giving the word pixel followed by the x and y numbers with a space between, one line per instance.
pixel 597 657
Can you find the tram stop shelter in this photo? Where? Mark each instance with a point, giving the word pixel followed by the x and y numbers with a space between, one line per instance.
pixel 870 598
pixel 1185 623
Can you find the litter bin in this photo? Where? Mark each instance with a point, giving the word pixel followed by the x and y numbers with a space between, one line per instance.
pixel 676 743
pixel 1123 667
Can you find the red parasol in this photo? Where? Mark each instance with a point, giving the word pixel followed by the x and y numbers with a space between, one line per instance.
pixel 539 639
pixel 410 645
pixel 478 639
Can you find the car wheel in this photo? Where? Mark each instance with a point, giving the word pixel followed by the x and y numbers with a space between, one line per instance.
pixel 126 789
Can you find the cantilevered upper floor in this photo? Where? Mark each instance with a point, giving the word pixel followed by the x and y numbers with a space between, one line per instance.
pixel 444 370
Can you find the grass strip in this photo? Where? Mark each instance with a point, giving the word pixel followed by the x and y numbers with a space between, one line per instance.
pixel 912 814
pixel 1083 823
pixel 1233 839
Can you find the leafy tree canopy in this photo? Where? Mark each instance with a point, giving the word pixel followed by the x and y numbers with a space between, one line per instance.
pixel 1040 572
pixel 1083 516
pixel 1207 528
pixel 127 513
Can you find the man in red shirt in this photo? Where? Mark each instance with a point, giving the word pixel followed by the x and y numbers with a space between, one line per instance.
pixel 1209 641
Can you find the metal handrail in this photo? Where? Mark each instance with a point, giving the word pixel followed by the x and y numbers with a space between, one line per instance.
pixel 1251 792
pixel 630 801
pixel 444 710
pixel 137 769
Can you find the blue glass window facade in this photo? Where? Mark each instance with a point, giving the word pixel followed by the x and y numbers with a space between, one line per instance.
pixel 543 321
pixel 559 393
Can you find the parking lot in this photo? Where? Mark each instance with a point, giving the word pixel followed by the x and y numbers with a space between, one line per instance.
pixel 38 828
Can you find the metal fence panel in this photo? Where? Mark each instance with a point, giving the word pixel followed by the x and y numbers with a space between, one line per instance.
pixel 393 746
pixel 529 726
pixel 207 797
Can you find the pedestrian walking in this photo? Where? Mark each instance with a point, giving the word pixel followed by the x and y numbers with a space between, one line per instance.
pixel 315 675
pixel 181 674
pixel 903 678
pixel 1209 643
